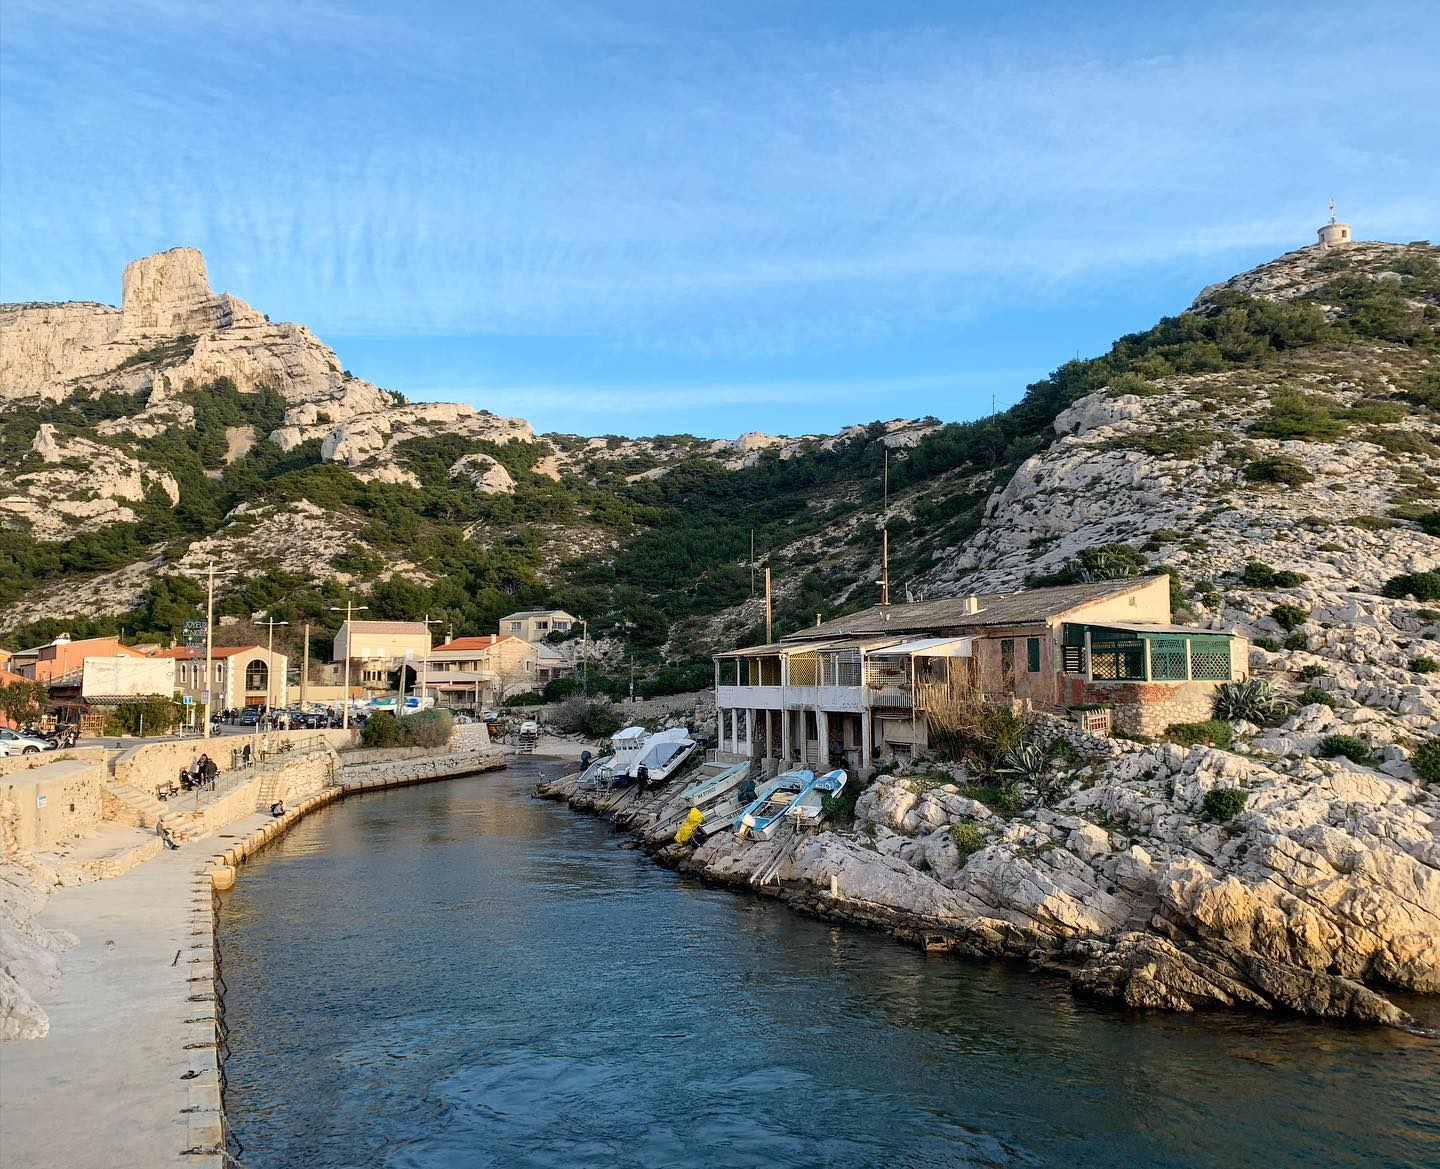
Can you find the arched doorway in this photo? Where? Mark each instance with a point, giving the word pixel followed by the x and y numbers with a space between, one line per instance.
pixel 257 682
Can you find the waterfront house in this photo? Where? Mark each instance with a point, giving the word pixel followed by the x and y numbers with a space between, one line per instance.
pixel 241 675
pixel 537 624
pixel 871 682
pixel 377 650
pixel 471 672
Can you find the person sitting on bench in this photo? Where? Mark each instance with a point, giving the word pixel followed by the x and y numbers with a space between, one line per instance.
pixel 277 808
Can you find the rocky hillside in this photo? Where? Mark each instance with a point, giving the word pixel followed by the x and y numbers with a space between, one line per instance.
pixel 1288 418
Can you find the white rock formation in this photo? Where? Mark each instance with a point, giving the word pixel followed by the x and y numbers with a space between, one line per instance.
pixel 487 476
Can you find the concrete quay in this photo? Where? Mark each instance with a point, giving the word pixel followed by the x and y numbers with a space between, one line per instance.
pixel 130 1074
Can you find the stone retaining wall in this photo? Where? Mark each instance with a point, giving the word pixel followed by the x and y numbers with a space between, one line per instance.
pixel 152 764
pixel 44 806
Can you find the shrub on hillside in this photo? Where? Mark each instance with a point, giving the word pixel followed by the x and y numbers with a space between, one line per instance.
pixel 1278 469
pixel 1289 617
pixel 1261 575
pixel 1426 760
pixel 1424 665
pixel 969 839
pixel 1215 732
pixel 1429 522
pixel 1224 803
pixel 1296 415
pixel 1313 694
pixel 1353 749
pixel 1423 586
pixel 559 688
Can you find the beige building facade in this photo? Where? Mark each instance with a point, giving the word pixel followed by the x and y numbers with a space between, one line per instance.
pixel 537 624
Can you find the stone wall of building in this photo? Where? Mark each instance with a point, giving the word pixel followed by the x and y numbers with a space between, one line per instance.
pixel 1147 708
pixel 42 807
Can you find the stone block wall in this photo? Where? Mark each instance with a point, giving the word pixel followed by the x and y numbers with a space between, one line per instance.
pixel 1147 708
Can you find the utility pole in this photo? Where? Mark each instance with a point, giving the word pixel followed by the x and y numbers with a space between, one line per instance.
pixel 349 610
pixel 769 610
pixel 632 677
pixel 752 563
pixel 305 669
pixel 209 643
pixel 584 656
pixel 425 661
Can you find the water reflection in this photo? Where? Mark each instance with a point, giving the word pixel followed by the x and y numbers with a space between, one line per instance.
pixel 457 975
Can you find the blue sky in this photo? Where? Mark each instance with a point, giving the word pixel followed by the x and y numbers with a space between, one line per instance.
pixel 658 217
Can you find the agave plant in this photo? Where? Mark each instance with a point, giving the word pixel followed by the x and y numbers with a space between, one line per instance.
pixel 1027 760
pixel 1252 699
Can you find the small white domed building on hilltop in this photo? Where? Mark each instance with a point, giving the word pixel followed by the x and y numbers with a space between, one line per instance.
pixel 1334 233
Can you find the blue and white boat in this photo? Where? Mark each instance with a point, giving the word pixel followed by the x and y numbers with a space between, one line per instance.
pixel 792 795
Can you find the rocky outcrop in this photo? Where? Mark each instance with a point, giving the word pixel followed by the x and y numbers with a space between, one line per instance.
pixel 1322 894
pixel 486 475
pixel 80 483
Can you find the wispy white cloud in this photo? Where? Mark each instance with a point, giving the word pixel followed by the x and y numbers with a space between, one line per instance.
pixel 737 183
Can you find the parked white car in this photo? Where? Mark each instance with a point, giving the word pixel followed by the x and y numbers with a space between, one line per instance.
pixel 19 744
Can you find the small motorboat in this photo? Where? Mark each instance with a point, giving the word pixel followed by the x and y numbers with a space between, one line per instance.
pixel 712 788
pixel 625 746
pixel 663 754
pixel 794 795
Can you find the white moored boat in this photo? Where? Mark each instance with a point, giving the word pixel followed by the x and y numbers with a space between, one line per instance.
pixel 662 755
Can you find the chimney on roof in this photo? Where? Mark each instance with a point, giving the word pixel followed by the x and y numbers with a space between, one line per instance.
pixel 972 604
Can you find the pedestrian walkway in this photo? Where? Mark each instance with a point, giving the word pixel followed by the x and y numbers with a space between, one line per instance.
pixel 106 1089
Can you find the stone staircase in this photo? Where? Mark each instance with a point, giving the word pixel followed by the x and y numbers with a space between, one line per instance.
pixel 133 806
pixel 273 786
pixel 127 804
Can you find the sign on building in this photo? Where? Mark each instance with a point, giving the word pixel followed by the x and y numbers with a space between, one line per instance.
pixel 193 632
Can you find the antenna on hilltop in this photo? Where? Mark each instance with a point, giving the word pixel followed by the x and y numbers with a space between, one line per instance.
pixel 1332 208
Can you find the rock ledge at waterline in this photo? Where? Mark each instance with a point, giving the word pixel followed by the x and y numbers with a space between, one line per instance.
pixel 1319 898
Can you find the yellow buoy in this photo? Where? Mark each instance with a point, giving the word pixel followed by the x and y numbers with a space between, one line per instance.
pixel 687 829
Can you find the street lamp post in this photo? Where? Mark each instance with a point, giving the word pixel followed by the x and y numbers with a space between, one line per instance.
pixel 349 610
pixel 427 621
pixel 584 656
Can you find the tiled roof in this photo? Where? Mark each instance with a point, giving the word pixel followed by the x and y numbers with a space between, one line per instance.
pixel 537 613
pixel 484 641
pixel 1018 608
pixel 418 628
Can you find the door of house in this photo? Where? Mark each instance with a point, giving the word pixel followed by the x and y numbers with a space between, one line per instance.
pixel 1007 666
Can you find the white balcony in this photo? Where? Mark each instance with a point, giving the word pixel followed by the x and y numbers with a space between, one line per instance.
pixel 840 699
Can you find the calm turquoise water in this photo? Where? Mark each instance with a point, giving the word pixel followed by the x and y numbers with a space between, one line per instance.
pixel 457 975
